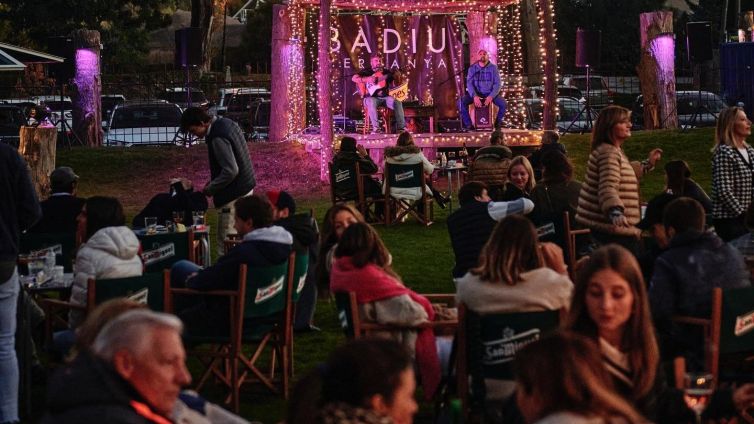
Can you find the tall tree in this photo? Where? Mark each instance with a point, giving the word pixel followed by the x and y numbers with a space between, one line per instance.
pixel 124 25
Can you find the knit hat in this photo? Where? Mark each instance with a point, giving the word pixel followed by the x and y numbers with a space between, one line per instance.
pixel 282 200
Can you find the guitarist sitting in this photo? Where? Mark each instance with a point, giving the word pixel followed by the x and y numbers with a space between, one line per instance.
pixel 373 83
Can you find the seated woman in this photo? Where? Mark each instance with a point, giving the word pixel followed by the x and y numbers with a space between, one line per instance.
pixel 362 266
pixel 610 306
pixel 364 381
pixel 520 179
pixel 109 250
pixel 405 152
pixel 515 274
pixel 337 219
pixel 560 380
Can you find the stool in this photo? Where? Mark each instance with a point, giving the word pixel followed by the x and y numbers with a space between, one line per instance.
pixel 384 112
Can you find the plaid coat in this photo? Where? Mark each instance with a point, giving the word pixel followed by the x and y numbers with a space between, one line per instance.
pixel 731 181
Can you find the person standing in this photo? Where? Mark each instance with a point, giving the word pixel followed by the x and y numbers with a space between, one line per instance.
pixel 732 173
pixel 19 212
pixel 232 175
pixel 609 198
pixel 376 93
pixel 482 88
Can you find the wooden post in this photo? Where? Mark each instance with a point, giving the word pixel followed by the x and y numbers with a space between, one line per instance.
pixel 37 146
pixel 550 66
pixel 530 29
pixel 324 91
pixel 656 70
pixel 87 109
pixel 288 86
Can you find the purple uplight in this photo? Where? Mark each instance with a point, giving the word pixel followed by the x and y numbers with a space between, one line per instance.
pixel 87 78
pixel 663 49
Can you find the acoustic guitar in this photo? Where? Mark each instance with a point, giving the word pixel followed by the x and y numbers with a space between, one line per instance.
pixel 400 92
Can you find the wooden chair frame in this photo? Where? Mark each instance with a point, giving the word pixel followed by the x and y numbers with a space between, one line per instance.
pixel 357 328
pixel 224 360
pixel 405 207
pixel 363 203
pixel 571 235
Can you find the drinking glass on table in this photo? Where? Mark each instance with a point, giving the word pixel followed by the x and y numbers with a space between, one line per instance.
pixel 150 223
pixel 697 392
pixel 37 269
pixel 178 217
pixel 198 218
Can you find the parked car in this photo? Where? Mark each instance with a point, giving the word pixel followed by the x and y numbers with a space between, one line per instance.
pixel 24 103
pixel 180 96
pixel 57 106
pixel 538 92
pixel 226 94
pixel 107 105
pixel 11 120
pixel 567 119
pixel 250 112
pixel 144 123
pixel 687 104
pixel 599 94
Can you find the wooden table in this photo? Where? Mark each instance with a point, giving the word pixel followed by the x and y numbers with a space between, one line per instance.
pixel 414 111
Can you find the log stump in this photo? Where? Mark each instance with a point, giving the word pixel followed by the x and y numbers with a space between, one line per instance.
pixel 656 70
pixel 37 146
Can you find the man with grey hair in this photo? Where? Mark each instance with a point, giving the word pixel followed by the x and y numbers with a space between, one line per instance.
pixel 134 373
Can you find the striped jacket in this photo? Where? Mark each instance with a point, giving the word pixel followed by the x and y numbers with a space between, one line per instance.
pixel 611 181
pixel 731 181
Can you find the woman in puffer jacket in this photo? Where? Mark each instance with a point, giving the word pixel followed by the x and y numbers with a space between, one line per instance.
pixel 609 198
pixel 405 152
pixel 109 249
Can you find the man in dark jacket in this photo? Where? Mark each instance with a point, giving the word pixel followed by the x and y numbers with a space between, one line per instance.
pixel 263 244
pixel 229 165
pixel 471 225
pixel 350 154
pixel 303 228
pixel 60 210
pixel 695 262
pixel 180 198
pixel 133 374
pixel 19 211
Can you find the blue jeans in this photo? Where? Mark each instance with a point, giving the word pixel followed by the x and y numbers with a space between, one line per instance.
pixel 8 362
pixel 180 272
pixel 372 103
pixel 466 100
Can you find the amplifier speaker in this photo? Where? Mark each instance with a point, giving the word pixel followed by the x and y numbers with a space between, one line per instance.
pixel 699 41
pixel 588 46
pixel 63 47
pixel 188 47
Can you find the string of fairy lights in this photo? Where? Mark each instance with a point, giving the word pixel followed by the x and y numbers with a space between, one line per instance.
pixel 508 35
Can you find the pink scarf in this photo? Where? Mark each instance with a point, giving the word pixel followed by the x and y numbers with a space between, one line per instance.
pixel 371 284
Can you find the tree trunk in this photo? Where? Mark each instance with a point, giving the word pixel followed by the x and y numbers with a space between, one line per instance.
pixel 324 91
pixel 530 29
pixel 37 146
pixel 87 106
pixel 656 70
pixel 482 28
pixel 201 17
pixel 288 86
pixel 550 66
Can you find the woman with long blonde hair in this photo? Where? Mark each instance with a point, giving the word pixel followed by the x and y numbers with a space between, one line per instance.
pixel 516 273
pixel 732 173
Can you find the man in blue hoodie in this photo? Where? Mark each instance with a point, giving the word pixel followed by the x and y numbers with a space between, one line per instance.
pixel 264 244
pixel 482 88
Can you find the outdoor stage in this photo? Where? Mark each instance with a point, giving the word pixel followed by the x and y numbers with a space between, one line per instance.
pixel 520 141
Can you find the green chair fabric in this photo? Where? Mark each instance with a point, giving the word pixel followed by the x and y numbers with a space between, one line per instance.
pixel 300 270
pixel 132 286
pixel 161 251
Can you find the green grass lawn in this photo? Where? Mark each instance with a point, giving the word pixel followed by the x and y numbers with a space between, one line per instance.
pixel 422 256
